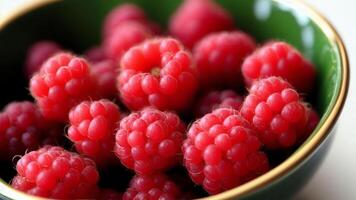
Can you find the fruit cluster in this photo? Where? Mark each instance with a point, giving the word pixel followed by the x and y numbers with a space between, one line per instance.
pixel 182 103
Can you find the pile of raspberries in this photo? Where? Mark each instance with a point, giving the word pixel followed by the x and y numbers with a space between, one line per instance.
pixel 207 97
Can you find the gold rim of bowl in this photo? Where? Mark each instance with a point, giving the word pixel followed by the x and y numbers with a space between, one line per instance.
pixel 285 167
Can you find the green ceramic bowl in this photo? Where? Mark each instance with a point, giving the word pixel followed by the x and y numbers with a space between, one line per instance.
pixel 76 25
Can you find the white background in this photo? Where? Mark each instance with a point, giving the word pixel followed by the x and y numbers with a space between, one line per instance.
pixel 336 179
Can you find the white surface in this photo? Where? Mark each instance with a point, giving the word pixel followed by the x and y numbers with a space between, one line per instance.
pixel 336 178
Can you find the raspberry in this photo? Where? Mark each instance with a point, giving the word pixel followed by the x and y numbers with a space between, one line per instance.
pixel 195 19
pixel 218 99
pixel 92 129
pixel 56 173
pixel 22 127
pixel 275 109
pixel 108 194
pixel 313 120
pixel 37 54
pixel 157 73
pixel 95 54
pixel 123 37
pixel 124 13
pixel 156 186
pixel 105 72
pixel 222 151
pixel 279 59
pixel 149 141
pixel 64 81
pixel 219 57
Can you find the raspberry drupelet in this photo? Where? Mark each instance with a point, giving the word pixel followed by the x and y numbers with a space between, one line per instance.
pixel 157 73
pixel 37 54
pixel 283 60
pixel 22 127
pixel 123 37
pixel 222 151
pixel 150 141
pixel 53 172
pixel 277 111
pixel 63 81
pixel 92 129
pixel 105 72
pixel 195 19
pixel 124 13
pixel 218 99
pixel 155 186
pixel 219 57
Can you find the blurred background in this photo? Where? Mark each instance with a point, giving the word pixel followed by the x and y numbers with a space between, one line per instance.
pixel 336 178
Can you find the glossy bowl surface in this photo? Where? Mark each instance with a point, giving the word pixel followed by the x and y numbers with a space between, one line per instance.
pixel 76 24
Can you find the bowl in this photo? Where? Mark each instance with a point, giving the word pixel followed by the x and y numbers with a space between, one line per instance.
pixel 76 25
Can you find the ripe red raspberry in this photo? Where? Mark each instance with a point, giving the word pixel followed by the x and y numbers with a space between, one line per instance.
pixel 92 129
pixel 195 19
pixel 150 141
pixel 156 186
pixel 218 99
pixel 275 109
pixel 313 120
pixel 222 151
pixel 105 72
pixel 22 127
pixel 124 37
pixel 279 59
pixel 124 13
pixel 219 57
pixel 37 54
pixel 157 73
pixel 56 173
pixel 64 81
pixel 95 54
pixel 108 194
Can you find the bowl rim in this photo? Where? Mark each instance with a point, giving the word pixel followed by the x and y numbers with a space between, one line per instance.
pixel 286 166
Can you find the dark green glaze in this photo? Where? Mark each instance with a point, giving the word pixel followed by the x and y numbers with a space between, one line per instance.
pixel 288 185
pixel 77 23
